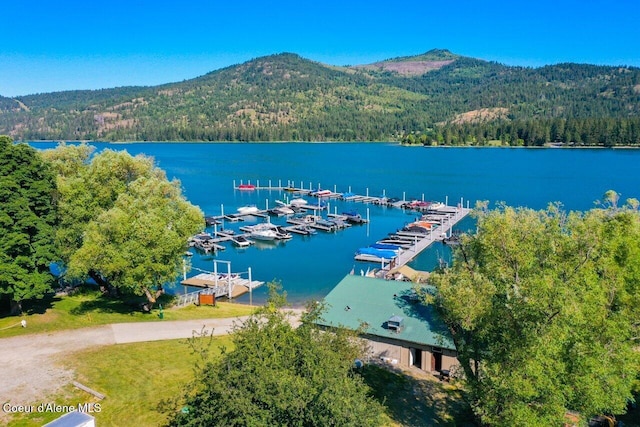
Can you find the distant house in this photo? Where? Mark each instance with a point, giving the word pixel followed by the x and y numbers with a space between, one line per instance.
pixel 399 328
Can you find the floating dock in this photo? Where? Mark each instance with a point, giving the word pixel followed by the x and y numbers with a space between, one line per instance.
pixel 443 216
pixel 413 243
pixel 222 285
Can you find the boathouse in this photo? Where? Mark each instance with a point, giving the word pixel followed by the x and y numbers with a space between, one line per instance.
pixel 400 329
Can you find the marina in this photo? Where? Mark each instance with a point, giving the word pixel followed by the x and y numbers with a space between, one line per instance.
pixel 412 238
pixel 392 252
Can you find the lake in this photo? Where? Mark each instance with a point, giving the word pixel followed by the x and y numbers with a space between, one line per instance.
pixel 309 267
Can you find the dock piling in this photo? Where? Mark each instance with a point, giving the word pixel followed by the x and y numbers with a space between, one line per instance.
pixel 250 287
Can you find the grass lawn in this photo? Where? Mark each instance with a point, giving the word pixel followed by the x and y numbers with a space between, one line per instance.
pixel 416 398
pixel 134 377
pixel 91 309
pixel 137 377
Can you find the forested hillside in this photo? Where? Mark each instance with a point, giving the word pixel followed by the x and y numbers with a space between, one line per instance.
pixel 288 98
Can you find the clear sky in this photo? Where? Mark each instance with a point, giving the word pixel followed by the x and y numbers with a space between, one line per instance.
pixel 49 46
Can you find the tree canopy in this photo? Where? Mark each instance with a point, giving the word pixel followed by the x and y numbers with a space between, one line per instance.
pixel 280 375
pixel 122 222
pixel 27 221
pixel 544 309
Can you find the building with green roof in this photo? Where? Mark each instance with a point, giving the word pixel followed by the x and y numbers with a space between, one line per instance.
pixel 399 327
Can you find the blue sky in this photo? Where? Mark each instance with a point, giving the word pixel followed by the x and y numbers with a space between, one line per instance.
pixel 61 45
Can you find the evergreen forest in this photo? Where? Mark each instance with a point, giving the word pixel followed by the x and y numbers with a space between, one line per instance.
pixel 434 98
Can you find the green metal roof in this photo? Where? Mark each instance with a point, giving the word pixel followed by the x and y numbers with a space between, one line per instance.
pixel 359 299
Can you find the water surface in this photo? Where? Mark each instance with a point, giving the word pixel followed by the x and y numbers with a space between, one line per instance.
pixel 309 267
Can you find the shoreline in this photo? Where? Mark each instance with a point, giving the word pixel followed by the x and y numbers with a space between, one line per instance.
pixel 555 147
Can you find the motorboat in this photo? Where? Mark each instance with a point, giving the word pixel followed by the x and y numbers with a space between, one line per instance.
pixel 282 211
pixel 422 227
pixel 241 241
pixel 353 217
pixel 282 234
pixel 265 234
pixel 322 193
pixel 386 247
pixel 246 187
pixel 203 241
pixel 298 202
pixel 305 230
pixel 374 255
pixel 248 210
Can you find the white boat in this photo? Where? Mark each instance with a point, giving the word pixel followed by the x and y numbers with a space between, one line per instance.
pixel 321 193
pixel 298 202
pixel 282 211
pixel 264 234
pixel 265 231
pixel 248 210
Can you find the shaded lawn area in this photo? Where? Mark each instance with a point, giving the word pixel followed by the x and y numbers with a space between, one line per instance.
pixel 90 308
pixel 415 398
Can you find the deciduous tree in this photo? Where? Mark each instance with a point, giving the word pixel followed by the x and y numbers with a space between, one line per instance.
pixel 123 223
pixel 543 307
pixel 280 375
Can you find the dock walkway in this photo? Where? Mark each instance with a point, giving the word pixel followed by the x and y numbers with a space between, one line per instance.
pixel 436 234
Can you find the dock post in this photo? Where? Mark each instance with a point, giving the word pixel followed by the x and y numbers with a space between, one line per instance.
pixel 329 207
pixel 234 184
pixel 446 200
pixel 257 183
pixel 335 210
pixel 423 197
pixel 367 191
pixel 250 288
pixel 467 204
pixel 368 222
pixel 349 189
pixel 335 188
pixel 184 270
pixel 280 183
pixel 269 184
pixel 384 193
pixel 229 280
pixel 215 272
pixel 404 197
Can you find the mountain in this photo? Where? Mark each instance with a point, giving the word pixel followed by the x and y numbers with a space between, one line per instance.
pixel 285 97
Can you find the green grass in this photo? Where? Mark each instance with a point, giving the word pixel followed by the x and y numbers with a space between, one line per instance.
pixel 415 398
pixel 134 377
pixel 91 309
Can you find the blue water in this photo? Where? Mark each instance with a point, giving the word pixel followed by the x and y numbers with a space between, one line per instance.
pixel 309 267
